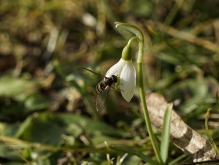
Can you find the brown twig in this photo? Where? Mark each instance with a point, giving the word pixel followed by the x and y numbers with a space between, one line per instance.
pixel 184 137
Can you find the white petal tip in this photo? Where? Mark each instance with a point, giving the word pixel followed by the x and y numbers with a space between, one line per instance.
pixel 128 100
pixel 127 96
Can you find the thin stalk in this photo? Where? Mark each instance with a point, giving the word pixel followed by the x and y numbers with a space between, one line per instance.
pixel 140 38
pixel 146 114
pixel 143 98
pixel 209 133
pixel 172 14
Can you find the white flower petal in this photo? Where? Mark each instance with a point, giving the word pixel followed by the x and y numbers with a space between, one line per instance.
pixel 116 69
pixel 128 81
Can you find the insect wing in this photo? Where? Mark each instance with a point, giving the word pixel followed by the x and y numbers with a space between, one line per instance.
pixel 101 99
pixel 89 75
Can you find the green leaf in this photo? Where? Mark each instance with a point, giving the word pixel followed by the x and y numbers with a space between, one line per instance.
pixel 195 90
pixel 95 127
pixel 131 28
pixel 9 129
pixel 17 88
pixel 23 127
pixel 42 128
pixel 165 137
pixel 8 152
pixel 76 119
pixel 36 102
pixel 98 127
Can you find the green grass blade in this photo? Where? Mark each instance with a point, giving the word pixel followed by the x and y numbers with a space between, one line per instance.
pixel 166 134
pixel 209 133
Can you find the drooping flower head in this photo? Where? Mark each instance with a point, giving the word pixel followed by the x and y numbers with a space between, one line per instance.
pixel 126 73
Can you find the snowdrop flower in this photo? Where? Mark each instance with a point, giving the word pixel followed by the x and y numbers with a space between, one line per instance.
pixel 126 73
pixel 116 69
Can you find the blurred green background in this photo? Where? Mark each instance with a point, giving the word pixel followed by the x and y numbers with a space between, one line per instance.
pixel 48 113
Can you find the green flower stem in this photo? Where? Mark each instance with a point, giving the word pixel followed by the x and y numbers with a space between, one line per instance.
pixel 145 110
pixel 133 38
pixel 140 39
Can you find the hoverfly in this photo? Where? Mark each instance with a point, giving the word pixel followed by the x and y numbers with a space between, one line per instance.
pixel 103 85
